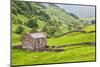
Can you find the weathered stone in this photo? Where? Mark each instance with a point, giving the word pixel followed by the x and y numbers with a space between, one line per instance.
pixel 34 41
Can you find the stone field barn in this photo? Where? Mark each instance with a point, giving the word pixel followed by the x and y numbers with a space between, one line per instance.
pixel 34 41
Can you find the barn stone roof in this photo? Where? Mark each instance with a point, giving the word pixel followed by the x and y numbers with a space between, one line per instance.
pixel 37 35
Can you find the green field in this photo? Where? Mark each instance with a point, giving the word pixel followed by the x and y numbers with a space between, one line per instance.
pixel 71 54
pixel 78 53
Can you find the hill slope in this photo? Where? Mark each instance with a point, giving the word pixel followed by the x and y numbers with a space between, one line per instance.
pixel 49 18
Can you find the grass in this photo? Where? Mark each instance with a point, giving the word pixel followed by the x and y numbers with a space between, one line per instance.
pixel 75 37
pixel 16 39
pixel 75 53
pixel 89 28
pixel 71 54
pixel 22 18
pixel 68 39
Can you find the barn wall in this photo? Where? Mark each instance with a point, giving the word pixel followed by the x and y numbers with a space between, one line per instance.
pixel 27 44
pixel 36 44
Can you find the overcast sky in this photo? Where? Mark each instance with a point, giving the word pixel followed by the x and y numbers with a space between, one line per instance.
pixel 80 11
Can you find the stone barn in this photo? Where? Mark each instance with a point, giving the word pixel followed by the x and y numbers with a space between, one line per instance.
pixel 34 41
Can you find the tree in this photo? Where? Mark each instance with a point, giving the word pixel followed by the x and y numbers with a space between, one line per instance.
pixel 32 23
pixel 19 21
pixel 19 30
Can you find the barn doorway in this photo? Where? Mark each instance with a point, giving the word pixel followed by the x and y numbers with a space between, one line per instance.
pixel 39 43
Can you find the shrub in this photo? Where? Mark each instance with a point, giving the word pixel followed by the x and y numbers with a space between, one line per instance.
pixel 32 23
pixel 19 30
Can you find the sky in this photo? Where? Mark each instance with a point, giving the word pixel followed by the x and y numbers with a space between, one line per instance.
pixel 80 11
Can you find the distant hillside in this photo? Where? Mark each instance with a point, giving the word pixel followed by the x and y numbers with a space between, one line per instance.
pixel 81 11
pixel 49 18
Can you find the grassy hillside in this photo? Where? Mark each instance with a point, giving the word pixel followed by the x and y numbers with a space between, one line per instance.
pixel 89 28
pixel 71 54
pixel 75 53
pixel 49 18
pixel 80 37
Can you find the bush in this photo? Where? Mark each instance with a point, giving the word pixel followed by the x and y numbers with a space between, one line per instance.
pixel 19 30
pixel 32 23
